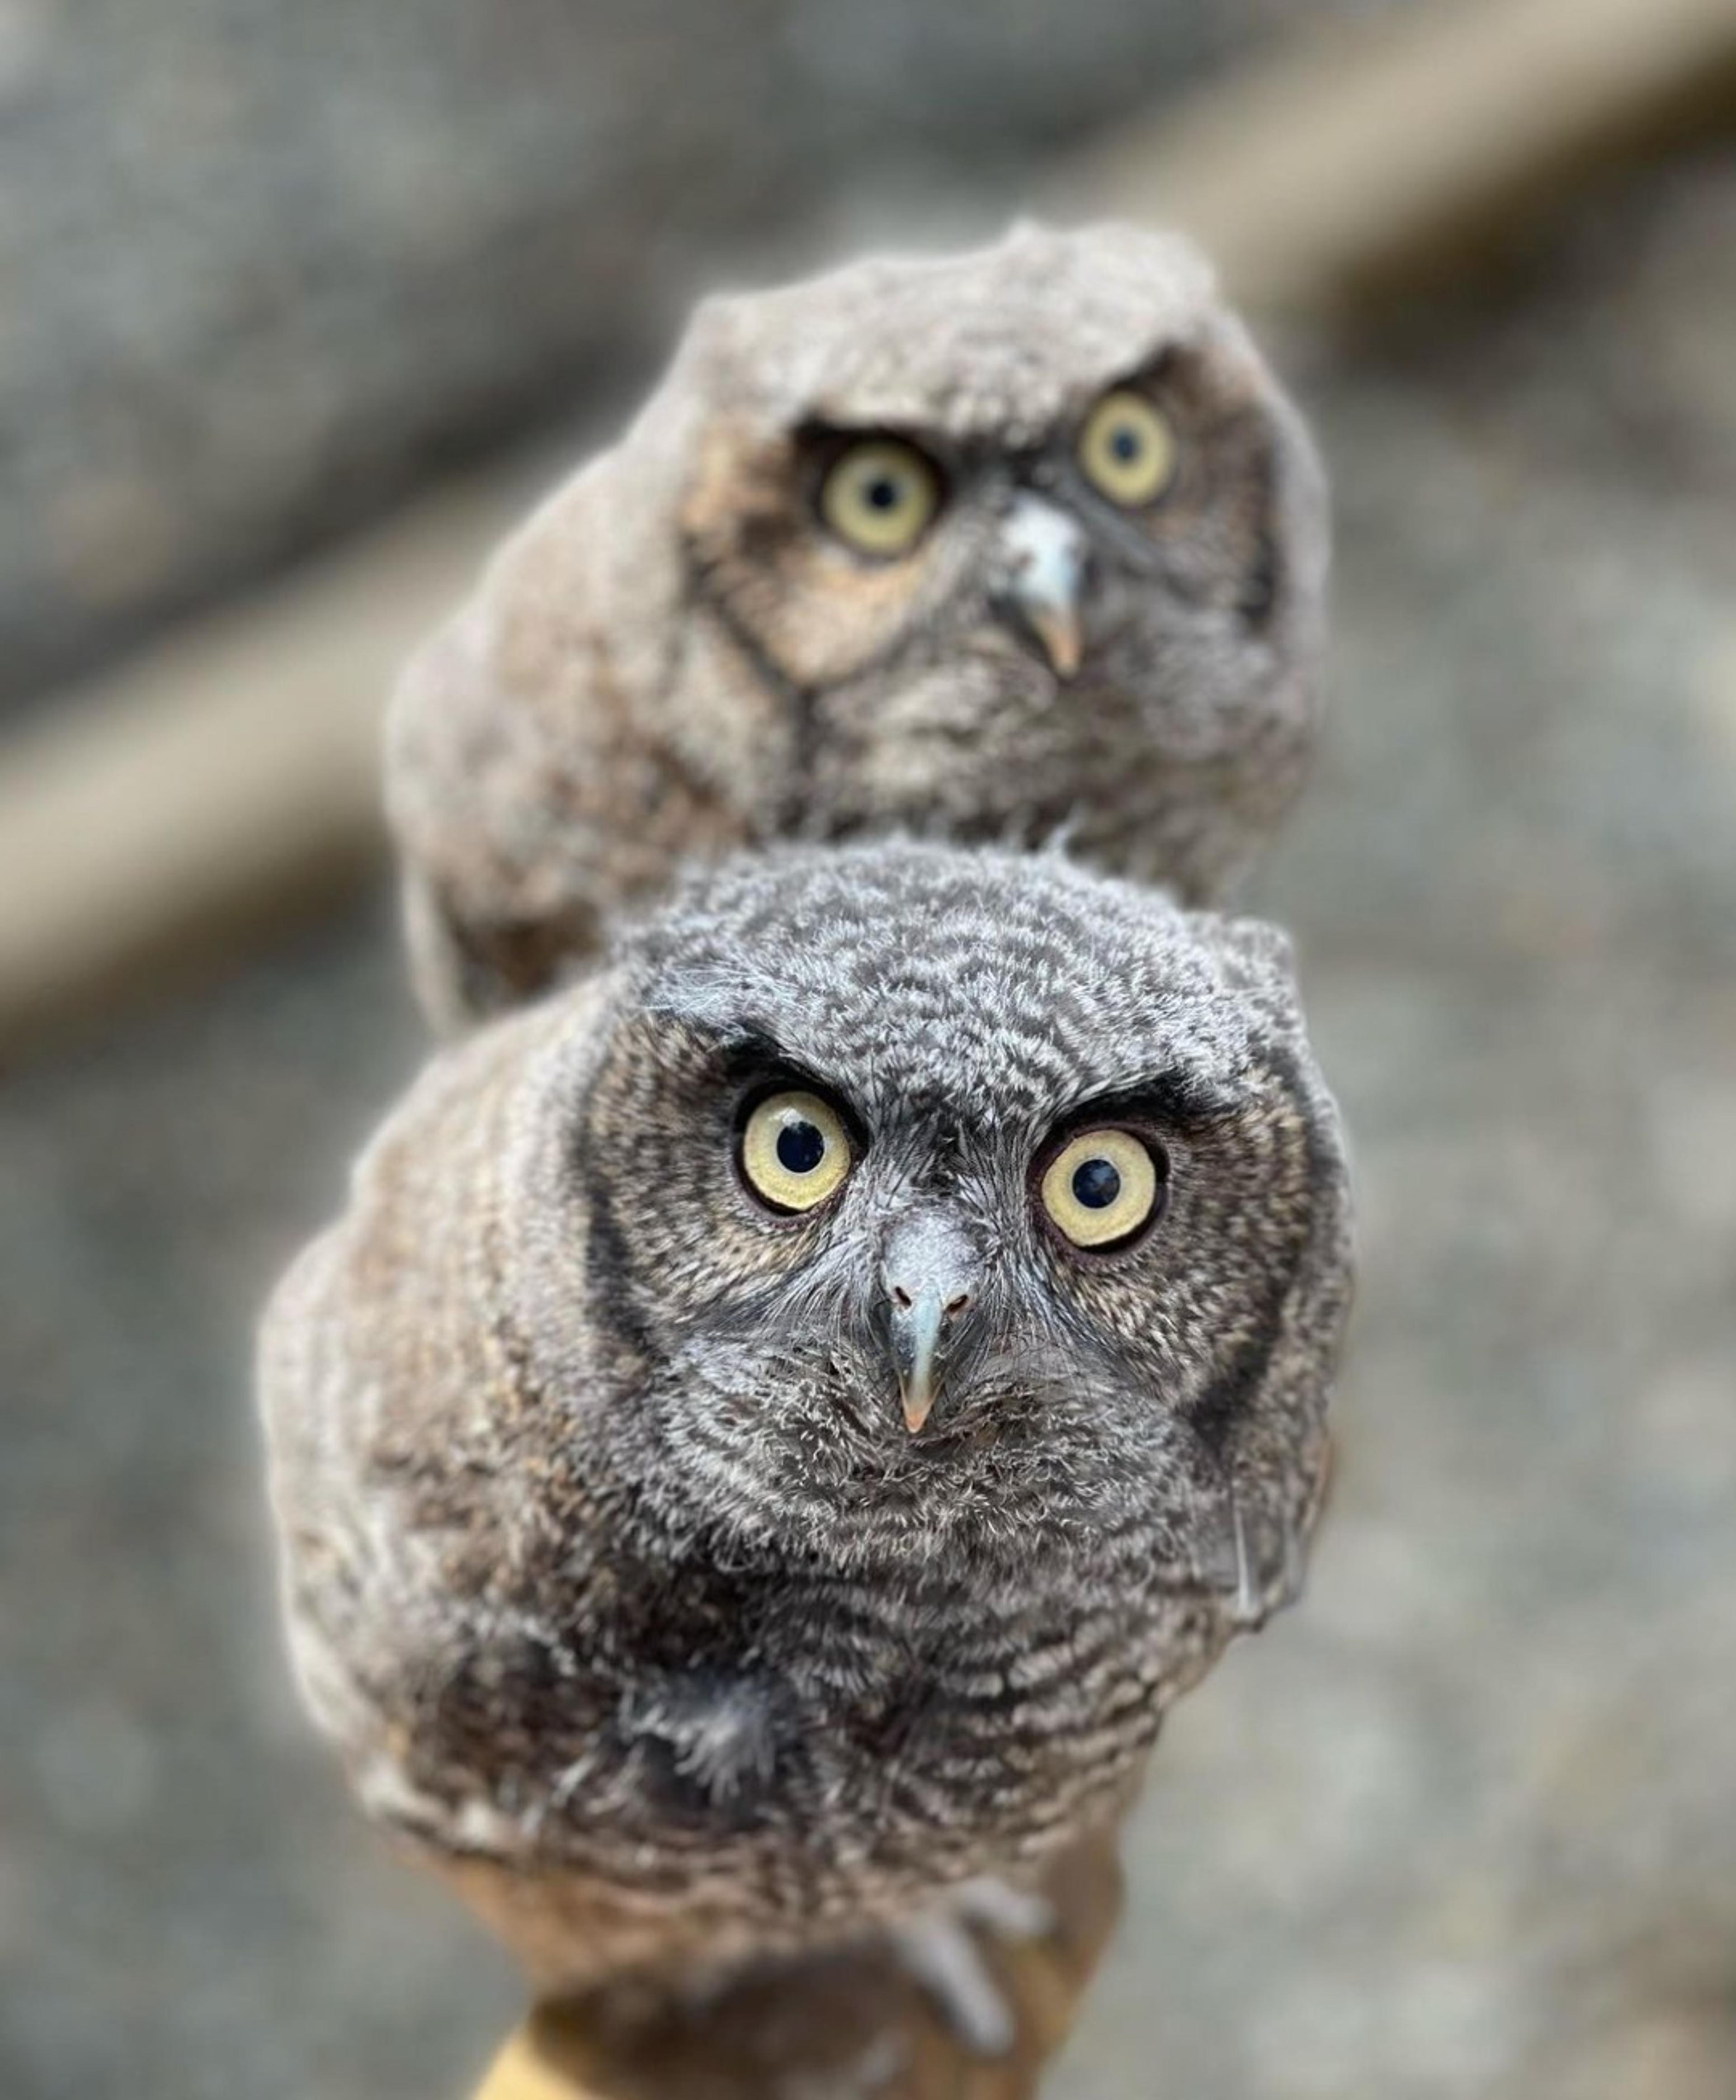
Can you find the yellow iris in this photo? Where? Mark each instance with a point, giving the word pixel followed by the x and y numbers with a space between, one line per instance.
pixel 1127 449
pixel 1101 1187
pixel 879 496
pixel 795 1151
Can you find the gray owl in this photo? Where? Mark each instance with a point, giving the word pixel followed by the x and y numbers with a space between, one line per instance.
pixel 1021 543
pixel 780 1422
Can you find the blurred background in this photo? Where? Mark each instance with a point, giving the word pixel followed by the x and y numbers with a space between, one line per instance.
pixel 298 305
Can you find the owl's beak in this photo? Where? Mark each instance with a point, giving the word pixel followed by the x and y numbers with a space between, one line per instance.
pixel 931 1275
pixel 1043 552
pixel 916 1343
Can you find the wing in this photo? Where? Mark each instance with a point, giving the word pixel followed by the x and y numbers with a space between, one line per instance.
pixel 392 1395
pixel 533 783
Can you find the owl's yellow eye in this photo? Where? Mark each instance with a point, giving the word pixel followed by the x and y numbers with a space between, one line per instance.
pixel 795 1151
pixel 1101 1187
pixel 879 496
pixel 1127 449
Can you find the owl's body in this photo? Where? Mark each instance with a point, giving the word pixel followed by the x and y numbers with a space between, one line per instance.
pixel 703 1549
pixel 1018 543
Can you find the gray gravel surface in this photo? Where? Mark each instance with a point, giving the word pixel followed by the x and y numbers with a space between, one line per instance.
pixel 1464 1824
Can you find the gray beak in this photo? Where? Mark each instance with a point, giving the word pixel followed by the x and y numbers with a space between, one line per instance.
pixel 932 1274
pixel 1043 551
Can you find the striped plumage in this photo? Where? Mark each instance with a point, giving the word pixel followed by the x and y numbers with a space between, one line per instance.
pixel 611 1561
pixel 684 652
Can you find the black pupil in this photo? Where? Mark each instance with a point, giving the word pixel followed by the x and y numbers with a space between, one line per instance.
pixel 1096 1184
pixel 800 1147
pixel 883 493
pixel 1124 444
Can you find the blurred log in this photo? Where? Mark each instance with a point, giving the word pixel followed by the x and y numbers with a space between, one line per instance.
pixel 1365 166
pixel 217 787
pixel 202 796
pixel 847 2026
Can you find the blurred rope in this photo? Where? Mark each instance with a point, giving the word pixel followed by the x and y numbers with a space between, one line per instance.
pixel 198 798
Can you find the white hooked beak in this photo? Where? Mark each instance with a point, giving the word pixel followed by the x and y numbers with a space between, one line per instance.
pixel 931 1274
pixel 1044 552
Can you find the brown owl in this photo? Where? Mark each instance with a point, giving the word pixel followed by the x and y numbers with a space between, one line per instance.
pixel 1018 543
pixel 782 1420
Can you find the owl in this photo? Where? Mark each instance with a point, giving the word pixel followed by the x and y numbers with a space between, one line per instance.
pixel 782 1418
pixel 1019 544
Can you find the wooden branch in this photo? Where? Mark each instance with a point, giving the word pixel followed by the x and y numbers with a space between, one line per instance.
pixel 852 2026
pixel 202 796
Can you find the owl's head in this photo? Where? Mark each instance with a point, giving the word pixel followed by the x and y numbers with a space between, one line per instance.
pixel 912 1200
pixel 1018 516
